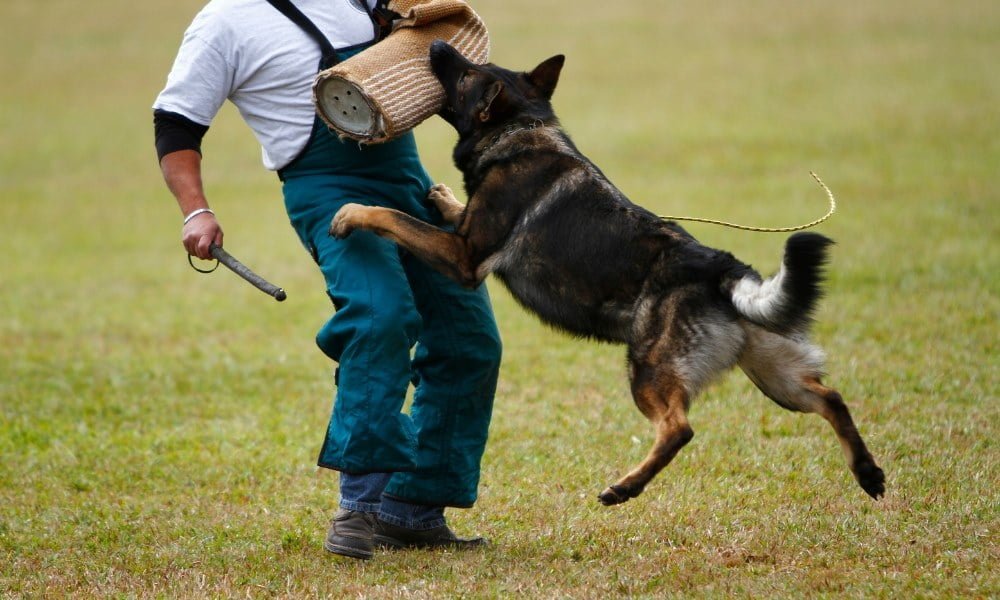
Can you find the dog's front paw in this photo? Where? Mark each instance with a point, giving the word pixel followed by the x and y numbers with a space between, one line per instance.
pixel 444 200
pixel 440 193
pixel 347 219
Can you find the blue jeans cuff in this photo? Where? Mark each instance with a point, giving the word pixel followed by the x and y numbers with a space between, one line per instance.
pixel 366 507
pixel 362 492
pixel 411 516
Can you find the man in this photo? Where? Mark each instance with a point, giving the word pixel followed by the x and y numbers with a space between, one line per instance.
pixel 397 472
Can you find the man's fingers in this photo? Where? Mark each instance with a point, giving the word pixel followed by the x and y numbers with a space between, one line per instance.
pixel 200 234
pixel 204 247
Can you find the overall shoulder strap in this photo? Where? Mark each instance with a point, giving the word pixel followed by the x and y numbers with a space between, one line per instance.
pixel 295 15
pixel 382 16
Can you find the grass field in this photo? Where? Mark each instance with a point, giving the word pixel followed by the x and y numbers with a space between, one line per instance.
pixel 158 428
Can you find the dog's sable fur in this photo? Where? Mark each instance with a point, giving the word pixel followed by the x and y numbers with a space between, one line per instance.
pixel 573 249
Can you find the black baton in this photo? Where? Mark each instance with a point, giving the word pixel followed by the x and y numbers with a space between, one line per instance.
pixel 243 271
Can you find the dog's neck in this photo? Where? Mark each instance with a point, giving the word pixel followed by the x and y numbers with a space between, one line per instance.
pixel 487 143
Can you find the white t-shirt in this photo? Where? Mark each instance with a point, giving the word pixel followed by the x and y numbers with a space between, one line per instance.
pixel 248 52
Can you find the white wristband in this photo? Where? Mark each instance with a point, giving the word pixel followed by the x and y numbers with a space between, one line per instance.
pixel 195 213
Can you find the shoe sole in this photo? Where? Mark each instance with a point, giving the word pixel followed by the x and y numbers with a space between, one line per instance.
pixel 390 543
pixel 347 551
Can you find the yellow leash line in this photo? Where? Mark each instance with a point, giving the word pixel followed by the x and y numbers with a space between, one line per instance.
pixel 829 213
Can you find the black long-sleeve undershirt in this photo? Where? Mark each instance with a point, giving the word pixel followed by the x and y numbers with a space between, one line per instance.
pixel 175 132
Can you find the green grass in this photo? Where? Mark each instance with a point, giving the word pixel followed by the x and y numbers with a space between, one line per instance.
pixel 158 428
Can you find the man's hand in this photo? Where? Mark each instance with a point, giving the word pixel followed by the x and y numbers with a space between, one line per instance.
pixel 200 233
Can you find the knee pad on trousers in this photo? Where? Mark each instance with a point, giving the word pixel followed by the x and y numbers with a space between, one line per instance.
pixel 394 328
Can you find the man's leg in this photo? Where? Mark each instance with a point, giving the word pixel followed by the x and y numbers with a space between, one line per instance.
pixel 455 367
pixel 370 336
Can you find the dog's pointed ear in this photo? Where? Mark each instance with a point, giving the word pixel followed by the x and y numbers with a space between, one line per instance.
pixel 490 96
pixel 546 75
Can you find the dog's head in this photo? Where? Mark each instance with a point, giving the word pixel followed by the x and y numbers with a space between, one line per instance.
pixel 482 97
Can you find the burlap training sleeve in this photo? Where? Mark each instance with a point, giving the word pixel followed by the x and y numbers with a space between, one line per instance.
pixel 389 89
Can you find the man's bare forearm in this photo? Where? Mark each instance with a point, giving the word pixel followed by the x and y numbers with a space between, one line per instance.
pixel 182 173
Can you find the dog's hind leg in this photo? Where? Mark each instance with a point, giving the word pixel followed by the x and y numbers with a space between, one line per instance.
pixel 868 474
pixel 788 371
pixel 662 398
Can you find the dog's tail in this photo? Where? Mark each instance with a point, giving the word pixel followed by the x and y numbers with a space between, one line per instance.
pixel 783 303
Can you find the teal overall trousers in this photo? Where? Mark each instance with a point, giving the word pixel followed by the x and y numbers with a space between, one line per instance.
pixel 397 322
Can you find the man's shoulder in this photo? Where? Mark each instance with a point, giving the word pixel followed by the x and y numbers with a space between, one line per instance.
pixel 215 7
pixel 219 13
pixel 223 23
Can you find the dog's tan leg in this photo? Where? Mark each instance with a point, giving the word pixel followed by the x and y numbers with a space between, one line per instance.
pixel 787 371
pixel 446 252
pixel 832 408
pixel 664 402
pixel 444 199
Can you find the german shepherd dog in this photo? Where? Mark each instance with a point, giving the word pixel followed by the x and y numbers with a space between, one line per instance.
pixel 574 250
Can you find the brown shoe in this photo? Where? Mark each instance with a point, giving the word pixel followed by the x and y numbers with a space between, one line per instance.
pixel 351 534
pixel 388 535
